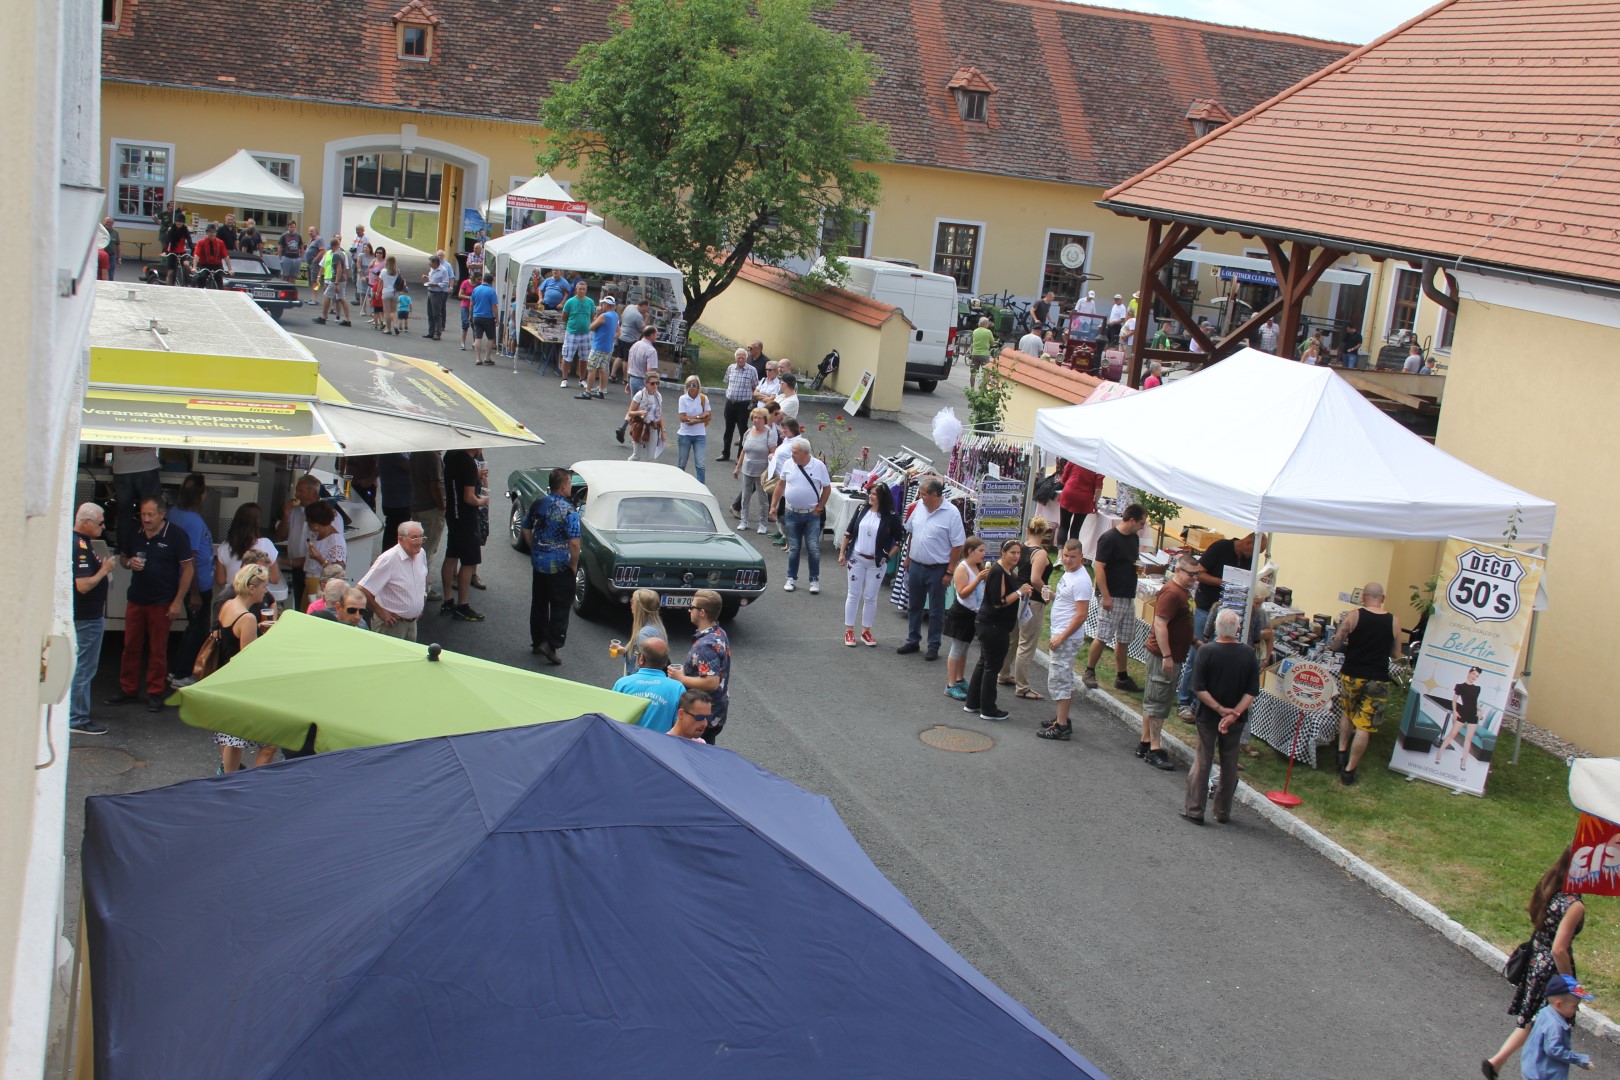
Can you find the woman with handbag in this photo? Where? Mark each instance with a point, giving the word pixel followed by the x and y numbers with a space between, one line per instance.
pixel 238 627
pixel 646 419
pixel 870 541
pixel 1034 567
pixel 1556 917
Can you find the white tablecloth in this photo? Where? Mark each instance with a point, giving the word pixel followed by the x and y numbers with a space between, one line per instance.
pixel 841 508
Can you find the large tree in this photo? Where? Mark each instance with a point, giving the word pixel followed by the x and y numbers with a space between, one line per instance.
pixel 719 130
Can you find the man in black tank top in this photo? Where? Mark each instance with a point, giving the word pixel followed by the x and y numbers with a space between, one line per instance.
pixel 1367 637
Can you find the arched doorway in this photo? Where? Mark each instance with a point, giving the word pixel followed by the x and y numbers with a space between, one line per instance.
pixel 466 184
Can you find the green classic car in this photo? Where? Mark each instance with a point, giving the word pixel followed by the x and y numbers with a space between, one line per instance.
pixel 646 526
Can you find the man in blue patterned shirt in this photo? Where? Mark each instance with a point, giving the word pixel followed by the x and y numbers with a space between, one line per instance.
pixel 552 532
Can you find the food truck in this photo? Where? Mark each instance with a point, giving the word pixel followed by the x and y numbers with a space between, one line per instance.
pixel 218 388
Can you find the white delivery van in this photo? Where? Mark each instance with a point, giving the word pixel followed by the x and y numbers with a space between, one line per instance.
pixel 928 300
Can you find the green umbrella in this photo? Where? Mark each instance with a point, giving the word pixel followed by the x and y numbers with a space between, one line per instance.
pixel 362 689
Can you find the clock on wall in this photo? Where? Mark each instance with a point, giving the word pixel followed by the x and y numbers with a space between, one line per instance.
pixel 1072 256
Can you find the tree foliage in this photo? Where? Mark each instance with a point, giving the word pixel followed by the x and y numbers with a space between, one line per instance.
pixel 719 130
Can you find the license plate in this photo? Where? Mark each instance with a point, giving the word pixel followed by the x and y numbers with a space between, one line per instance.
pixel 676 601
pixel 264 294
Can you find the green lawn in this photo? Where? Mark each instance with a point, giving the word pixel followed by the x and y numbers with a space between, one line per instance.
pixel 423 225
pixel 712 359
pixel 1474 858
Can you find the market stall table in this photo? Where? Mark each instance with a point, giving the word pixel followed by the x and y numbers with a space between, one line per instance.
pixel 841 509
pixel 1272 720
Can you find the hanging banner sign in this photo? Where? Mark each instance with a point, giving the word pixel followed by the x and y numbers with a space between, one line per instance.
pixel 1307 685
pixel 1594 866
pixel 558 206
pixel 1000 507
pixel 1248 277
pixel 1464 675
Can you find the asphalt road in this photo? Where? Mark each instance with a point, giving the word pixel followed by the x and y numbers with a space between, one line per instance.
pixel 1155 948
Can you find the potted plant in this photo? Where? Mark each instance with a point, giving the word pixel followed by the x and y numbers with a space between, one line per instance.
pixel 1160 512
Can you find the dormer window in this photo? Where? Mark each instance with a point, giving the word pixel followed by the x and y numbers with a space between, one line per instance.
pixel 1204 115
pixel 972 92
pixel 415 25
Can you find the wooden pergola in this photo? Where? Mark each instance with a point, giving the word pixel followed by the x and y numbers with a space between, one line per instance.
pixel 1297 262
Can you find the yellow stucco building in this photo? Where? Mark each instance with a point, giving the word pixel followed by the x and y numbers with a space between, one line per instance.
pixel 1499 246
pixel 1001 150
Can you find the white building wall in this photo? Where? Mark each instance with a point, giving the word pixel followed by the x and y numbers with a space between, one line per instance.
pixel 52 56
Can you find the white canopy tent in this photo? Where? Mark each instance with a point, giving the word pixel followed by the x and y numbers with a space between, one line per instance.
pixel 240 181
pixel 594 250
pixel 1290 448
pixel 499 252
pixel 536 187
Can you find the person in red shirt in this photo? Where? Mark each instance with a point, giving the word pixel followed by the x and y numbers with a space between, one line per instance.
pixel 1078 498
pixel 210 254
pixel 103 265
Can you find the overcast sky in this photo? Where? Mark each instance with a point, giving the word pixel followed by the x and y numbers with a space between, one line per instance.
pixel 1338 20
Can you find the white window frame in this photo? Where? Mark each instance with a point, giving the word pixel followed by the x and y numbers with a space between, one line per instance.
pixel 296 159
pixel 1046 242
pixel 1389 300
pixel 978 251
pixel 112 177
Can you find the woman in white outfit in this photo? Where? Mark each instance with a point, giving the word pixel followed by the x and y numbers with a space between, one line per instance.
pixel 758 442
pixel 872 538
pixel 646 419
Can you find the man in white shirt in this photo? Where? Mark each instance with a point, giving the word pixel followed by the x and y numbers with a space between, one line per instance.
pixel 937 538
pixel 802 487
pixel 396 584
pixel 438 282
pixel 1031 345
pixel 1116 319
pixel 1071 603
pixel 1414 362
pixel 788 399
pixel 1269 333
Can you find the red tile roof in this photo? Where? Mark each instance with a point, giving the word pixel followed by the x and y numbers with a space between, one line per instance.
pixel 1484 130
pixel 1063 383
pixel 838 301
pixel 1082 94
pixel 417 12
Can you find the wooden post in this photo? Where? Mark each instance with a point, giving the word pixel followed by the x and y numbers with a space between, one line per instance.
pixel 1162 246
pixel 1144 306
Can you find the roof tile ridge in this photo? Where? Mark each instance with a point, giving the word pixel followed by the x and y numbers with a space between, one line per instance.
pixel 1127 15
pixel 1310 80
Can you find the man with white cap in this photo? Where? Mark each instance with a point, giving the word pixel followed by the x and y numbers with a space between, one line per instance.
pixel 1116 319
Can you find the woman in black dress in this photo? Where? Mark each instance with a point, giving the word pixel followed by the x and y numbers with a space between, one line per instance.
pixel 1464 717
pixel 997 619
pixel 1556 917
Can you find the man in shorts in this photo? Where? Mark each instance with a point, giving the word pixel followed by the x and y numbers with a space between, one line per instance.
pixel 463 549
pixel 484 301
pixel 335 273
pixel 631 322
pixel 1115 561
pixel 604 328
pixel 1369 638
pixel 1167 649
pixel 578 312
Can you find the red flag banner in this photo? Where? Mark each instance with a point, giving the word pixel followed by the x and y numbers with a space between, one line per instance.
pixel 1594 868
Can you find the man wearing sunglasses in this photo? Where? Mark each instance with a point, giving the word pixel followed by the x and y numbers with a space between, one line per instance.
pixel 692 716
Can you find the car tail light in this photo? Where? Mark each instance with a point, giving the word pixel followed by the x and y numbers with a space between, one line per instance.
pixel 625 577
pixel 748 579
pixel 287 294
pixel 950 343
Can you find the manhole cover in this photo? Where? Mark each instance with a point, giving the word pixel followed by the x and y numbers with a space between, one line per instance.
pixel 100 761
pixel 961 740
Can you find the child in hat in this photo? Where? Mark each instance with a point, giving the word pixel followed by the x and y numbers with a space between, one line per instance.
pixel 1547 1054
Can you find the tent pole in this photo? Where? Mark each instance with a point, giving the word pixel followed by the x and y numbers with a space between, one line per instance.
pixel 1529 659
pixel 1254 578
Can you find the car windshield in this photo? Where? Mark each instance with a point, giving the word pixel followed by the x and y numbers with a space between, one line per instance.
pixel 663 513
pixel 237 266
